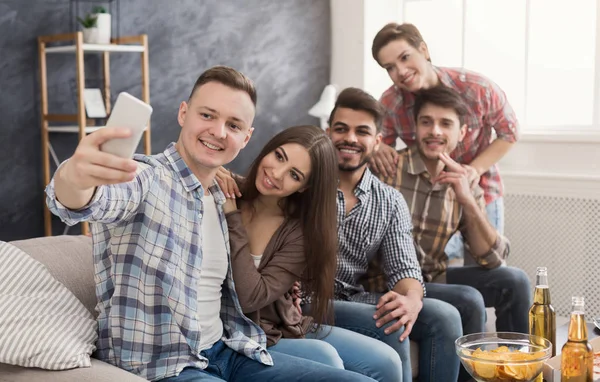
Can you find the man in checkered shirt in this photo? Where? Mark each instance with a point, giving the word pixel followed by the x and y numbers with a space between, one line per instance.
pixel 492 126
pixel 167 306
pixel 374 223
pixel 442 202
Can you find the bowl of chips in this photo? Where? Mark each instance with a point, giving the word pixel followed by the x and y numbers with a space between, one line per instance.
pixel 501 357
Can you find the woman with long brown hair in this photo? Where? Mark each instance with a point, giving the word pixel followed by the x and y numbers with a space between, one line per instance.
pixel 283 229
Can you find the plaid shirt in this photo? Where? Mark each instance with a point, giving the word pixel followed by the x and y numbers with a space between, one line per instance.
pixel 436 216
pixel 148 257
pixel 488 111
pixel 378 226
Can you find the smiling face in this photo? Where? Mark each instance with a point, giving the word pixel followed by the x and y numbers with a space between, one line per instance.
pixel 438 131
pixel 284 171
pixel 216 124
pixel 354 136
pixel 407 66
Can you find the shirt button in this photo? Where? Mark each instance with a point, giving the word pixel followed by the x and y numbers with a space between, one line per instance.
pixel 462 77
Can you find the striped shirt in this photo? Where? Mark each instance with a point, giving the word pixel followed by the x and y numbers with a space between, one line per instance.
pixel 378 226
pixel 489 111
pixel 436 216
pixel 147 261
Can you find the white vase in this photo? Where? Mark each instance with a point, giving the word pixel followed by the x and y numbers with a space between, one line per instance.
pixel 90 35
pixel 104 28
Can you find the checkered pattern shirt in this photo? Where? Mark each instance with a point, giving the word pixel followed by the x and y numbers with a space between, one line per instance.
pixel 379 225
pixel 147 259
pixel 436 216
pixel 489 111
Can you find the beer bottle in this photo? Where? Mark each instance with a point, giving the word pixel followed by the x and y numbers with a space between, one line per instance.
pixel 542 318
pixel 577 357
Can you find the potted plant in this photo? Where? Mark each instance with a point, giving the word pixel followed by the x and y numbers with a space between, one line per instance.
pixel 90 29
pixel 103 21
pixel 96 26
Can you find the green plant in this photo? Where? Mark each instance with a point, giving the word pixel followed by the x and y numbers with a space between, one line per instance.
pixel 99 9
pixel 88 22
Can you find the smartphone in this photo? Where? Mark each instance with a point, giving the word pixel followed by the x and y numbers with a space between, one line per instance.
pixel 132 113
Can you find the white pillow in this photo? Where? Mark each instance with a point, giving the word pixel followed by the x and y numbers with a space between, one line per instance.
pixel 42 324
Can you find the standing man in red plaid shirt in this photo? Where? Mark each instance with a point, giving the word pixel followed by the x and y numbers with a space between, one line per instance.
pixel 401 51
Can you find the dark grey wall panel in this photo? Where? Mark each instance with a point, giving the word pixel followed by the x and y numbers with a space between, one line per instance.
pixel 283 45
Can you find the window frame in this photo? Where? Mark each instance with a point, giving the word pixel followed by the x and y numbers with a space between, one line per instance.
pixel 544 133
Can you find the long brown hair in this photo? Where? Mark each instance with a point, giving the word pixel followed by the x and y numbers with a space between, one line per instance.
pixel 315 208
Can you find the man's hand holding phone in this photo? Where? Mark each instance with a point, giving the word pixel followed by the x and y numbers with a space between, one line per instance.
pixel 104 157
pixel 89 168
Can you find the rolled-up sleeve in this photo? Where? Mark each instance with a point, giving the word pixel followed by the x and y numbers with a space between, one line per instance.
pixel 110 203
pixel 497 253
pixel 397 248
pixel 388 124
pixel 500 115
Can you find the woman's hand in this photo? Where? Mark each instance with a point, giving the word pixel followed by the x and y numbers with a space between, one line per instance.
pixel 297 296
pixel 228 185
pixel 230 205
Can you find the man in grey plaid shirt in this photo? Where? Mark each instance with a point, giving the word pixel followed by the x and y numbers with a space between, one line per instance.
pixel 374 222
pixel 167 306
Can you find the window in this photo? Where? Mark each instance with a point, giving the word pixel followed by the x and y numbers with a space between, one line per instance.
pixel 542 53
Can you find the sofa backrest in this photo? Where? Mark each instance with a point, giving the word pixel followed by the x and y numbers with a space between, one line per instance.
pixel 69 260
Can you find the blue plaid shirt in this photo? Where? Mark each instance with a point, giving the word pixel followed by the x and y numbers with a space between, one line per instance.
pixel 147 259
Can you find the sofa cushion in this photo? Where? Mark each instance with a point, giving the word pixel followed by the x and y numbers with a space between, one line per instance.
pixel 42 323
pixel 70 260
pixel 99 372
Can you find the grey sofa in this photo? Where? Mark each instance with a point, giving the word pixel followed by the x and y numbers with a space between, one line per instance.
pixel 69 260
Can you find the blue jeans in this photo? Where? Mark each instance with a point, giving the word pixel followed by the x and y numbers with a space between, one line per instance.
pixel 507 289
pixel 455 248
pixel 225 364
pixel 436 329
pixel 343 348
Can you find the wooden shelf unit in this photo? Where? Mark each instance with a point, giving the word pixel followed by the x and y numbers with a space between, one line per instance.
pixel 80 124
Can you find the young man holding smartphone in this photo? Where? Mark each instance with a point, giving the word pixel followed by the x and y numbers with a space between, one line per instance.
pixel 167 305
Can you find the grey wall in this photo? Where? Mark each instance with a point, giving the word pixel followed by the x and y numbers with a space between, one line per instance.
pixel 283 45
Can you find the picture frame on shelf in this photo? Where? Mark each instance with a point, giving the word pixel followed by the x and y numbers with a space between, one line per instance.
pixel 94 103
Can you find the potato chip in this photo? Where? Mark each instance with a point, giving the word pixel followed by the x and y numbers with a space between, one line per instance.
pixel 495 365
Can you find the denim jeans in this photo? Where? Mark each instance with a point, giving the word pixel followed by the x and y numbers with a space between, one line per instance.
pixel 455 248
pixel 225 364
pixel 343 348
pixel 507 289
pixel 436 329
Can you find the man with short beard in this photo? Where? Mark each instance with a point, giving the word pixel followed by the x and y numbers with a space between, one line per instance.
pixel 442 202
pixel 374 222
pixel 167 307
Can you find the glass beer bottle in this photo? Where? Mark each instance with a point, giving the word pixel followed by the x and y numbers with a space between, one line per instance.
pixel 577 357
pixel 542 318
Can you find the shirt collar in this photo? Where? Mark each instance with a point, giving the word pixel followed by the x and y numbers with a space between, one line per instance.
pixel 366 181
pixel 408 98
pixel 416 166
pixel 186 176
pixel 443 76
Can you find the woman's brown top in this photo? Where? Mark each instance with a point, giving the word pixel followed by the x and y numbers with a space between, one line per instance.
pixel 264 292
